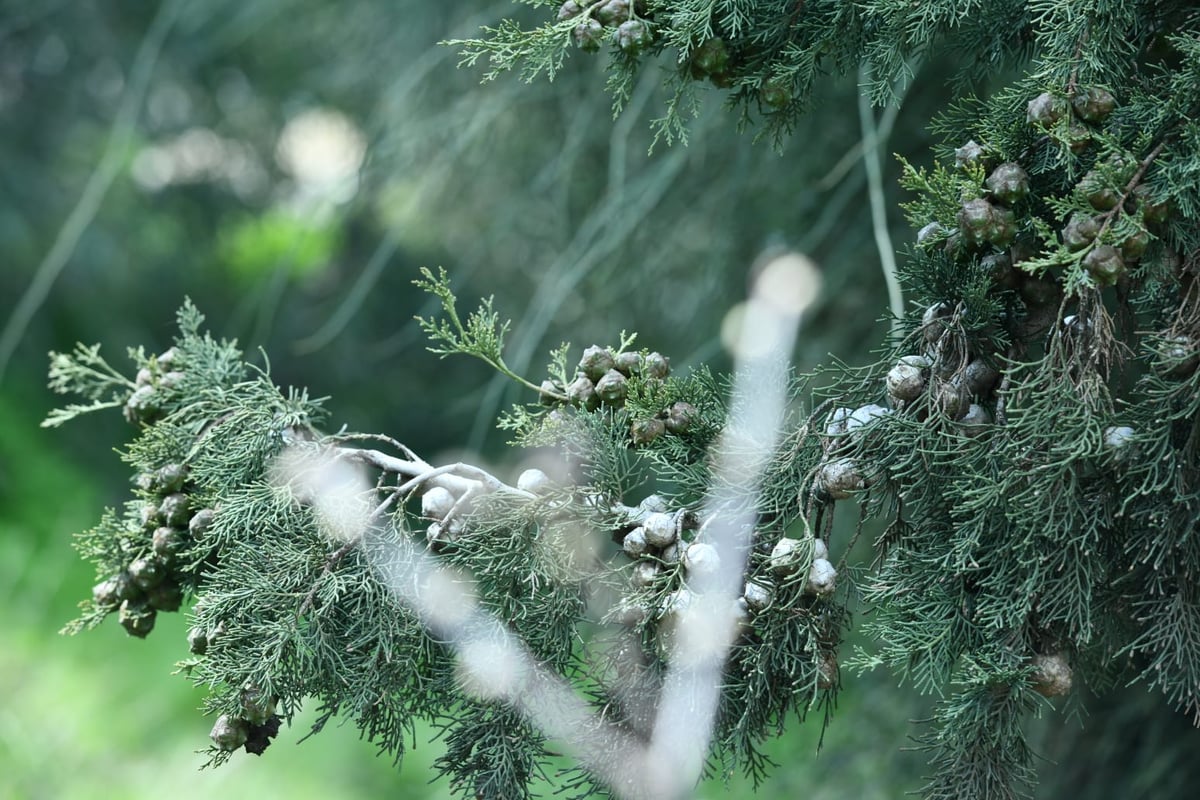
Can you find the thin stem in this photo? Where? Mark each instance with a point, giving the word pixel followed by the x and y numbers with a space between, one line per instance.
pixel 103 373
pixel 883 240
pixel 379 437
pixel 478 476
pixel 503 369
pixel 1132 184
pixel 1072 82
pixel 458 478
pixel 337 555
pixel 330 564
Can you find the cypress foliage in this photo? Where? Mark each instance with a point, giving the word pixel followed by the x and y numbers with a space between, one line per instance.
pixel 1029 435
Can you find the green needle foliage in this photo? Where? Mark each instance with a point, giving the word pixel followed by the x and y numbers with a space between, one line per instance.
pixel 1029 438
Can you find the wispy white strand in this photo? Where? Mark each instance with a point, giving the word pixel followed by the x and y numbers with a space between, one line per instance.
pixel 708 626
pixel 493 663
pixel 497 665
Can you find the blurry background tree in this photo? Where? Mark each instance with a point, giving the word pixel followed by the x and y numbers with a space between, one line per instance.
pixel 289 164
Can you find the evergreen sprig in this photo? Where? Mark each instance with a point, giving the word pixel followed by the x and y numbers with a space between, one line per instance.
pixel 288 609
pixel 85 372
pixel 481 336
pixel 767 56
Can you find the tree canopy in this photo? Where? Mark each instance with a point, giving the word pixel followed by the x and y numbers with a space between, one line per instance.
pixel 1022 446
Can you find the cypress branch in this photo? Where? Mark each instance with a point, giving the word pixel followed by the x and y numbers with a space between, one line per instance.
pixel 1029 436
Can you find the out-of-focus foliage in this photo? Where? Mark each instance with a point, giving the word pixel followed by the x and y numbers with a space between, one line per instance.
pixel 242 187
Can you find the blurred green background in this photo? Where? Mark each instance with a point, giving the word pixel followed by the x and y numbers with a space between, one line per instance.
pixel 289 165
